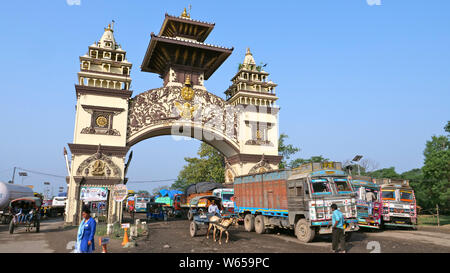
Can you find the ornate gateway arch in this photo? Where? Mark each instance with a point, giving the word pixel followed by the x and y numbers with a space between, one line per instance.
pixel 243 127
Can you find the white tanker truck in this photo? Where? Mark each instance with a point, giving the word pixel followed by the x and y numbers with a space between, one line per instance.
pixel 10 192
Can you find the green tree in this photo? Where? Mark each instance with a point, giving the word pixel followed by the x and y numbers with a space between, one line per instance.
pixel 385 173
pixel 415 177
pixel 286 150
pixel 143 192
pixel 209 166
pixel 436 171
pixel 299 161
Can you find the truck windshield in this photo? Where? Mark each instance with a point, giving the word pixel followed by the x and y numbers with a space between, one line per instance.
pixel 320 186
pixel 342 186
pixel 388 194
pixel 227 196
pixel 406 196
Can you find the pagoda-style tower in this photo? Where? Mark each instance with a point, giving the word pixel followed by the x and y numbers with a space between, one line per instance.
pixel 99 143
pixel 178 52
pixel 258 134
pixel 251 85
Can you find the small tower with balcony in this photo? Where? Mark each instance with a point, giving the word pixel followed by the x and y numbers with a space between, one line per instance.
pixel 105 64
pixel 250 85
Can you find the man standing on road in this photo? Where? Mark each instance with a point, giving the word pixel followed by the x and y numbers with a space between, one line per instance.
pixel 338 243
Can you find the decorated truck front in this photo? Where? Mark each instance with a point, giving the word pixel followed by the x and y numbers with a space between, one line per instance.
pixel 368 201
pixel 140 203
pixel 399 203
pixel 298 199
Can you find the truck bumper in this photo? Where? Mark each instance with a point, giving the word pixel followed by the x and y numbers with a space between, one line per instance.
pixel 325 227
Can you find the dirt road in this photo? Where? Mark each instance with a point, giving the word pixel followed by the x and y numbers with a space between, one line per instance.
pixel 173 236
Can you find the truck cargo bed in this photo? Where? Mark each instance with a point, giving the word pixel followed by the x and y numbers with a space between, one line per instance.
pixel 264 193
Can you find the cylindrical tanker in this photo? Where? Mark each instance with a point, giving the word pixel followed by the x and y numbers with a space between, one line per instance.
pixel 10 192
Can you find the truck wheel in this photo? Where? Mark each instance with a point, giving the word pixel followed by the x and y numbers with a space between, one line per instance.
pixel 11 227
pixel 249 222
pixel 190 215
pixel 304 232
pixel 193 228
pixel 260 228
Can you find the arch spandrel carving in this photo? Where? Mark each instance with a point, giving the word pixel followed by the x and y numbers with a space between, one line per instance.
pixel 167 106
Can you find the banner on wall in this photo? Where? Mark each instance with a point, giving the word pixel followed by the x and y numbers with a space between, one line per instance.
pixel 93 194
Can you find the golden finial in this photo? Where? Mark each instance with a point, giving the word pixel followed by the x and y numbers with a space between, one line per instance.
pixel 188 80
pixel 248 51
pixel 185 14
pixel 109 27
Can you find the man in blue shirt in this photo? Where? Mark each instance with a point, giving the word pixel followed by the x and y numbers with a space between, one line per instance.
pixel 337 220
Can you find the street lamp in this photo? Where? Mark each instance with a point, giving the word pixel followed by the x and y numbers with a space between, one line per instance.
pixel 23 174
pixel 356 159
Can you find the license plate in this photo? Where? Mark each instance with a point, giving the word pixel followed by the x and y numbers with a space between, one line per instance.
pixel 203 216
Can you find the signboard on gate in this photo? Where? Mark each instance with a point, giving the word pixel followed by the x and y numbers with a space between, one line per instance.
pixel 93 194
pixel 120 192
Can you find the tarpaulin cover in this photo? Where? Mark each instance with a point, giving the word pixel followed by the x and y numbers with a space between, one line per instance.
pixel 170 193
pixel 202 187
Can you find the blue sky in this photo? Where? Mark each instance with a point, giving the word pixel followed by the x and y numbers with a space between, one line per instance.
pixel 353 78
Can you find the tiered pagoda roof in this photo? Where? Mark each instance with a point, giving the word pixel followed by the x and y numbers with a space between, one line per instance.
pixel 180 46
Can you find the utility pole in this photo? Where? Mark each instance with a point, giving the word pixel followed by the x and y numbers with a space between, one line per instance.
pixel 356 159
pixel 437 211
pixel 14 173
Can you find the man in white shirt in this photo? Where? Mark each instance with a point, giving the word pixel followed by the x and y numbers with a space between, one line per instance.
pixel 213 209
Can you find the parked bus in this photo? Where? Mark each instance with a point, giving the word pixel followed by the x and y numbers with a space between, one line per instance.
pixel 298 199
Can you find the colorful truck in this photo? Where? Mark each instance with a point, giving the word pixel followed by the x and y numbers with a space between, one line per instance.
pixel 226 194
pixel 399 203
pixel 368 201
pixel 140 203
pixel 183 206
pixel 297 199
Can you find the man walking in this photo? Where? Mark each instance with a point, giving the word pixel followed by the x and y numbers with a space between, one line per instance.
pixel 337 220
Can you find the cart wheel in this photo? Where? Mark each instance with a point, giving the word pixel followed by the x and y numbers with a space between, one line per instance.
pixel 11 227
pixel 190 215
pixel 193 229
